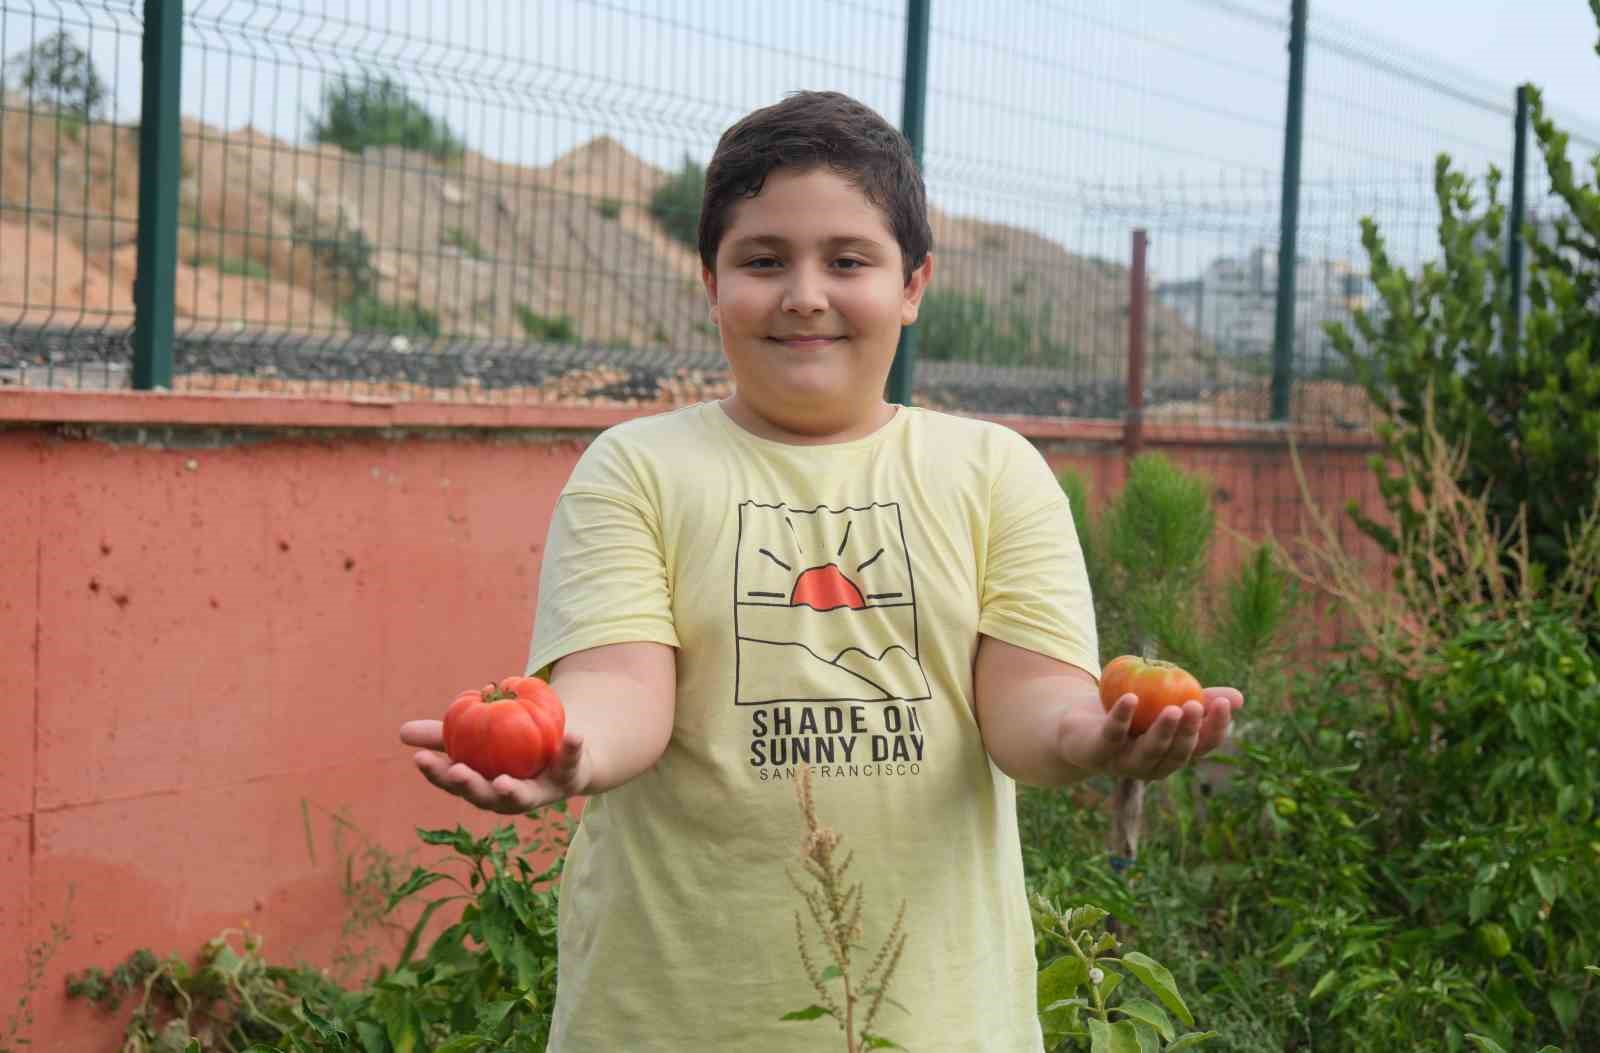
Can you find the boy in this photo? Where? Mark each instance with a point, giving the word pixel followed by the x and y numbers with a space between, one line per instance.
pixel 806 574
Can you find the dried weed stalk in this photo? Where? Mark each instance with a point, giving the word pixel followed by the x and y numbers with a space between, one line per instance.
pixel 1455 561
pixel 836 908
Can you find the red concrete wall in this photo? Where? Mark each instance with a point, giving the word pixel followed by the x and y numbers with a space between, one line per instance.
pixel 215 612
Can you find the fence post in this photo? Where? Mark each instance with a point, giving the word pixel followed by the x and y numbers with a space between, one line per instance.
pixel 1133 421
pixel 1289 221
pixel 160 169
pixel 1519 204
pixel 914 98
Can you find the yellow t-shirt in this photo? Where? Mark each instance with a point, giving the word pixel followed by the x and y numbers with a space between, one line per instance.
pixel 826 604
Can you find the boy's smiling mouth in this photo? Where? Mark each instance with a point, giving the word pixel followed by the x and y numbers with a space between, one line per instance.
pixel 805 342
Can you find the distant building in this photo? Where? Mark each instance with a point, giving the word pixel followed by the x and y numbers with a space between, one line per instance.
pixel 1233 303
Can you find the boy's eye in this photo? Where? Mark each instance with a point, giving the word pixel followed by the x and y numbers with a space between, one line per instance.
pixel 762 263
pixel 848 264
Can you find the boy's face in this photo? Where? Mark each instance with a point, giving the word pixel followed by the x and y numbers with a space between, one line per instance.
pixel 810 294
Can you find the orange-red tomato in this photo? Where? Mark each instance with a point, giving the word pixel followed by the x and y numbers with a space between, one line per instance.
pixel 1158 685
pixel 513 729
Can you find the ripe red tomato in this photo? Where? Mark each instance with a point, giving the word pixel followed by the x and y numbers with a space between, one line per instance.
pixel 513 729
pixel 1158 685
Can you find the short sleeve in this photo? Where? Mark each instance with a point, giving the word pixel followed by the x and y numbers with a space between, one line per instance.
pixel 603 579
pixel 1035 589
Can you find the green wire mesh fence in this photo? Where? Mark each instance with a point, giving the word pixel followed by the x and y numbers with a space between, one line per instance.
pixel 496 200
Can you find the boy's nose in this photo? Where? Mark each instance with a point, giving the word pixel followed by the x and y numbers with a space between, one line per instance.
pixel 803 295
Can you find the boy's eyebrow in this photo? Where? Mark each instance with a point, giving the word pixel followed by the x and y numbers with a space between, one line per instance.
pixel 777 242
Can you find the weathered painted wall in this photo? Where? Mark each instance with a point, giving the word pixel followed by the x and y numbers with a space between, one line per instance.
pixel 215 612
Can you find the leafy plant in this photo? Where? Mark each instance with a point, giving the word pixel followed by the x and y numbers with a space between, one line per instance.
pixel 1526 405
pixel 609 208
pixel 57 73
pixel 1081 995
pixel 469 245
pixel 15 1034
pixel 366 313
pixel 956 326
pixel 486 982
pixel 676 203
pixel 836 907
pixel 557 330
pixel 243 267
pixel 379 111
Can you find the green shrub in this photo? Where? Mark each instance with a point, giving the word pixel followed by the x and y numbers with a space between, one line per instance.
pixel 368 314
pixel 378 111
pixel 611 208
pixel 1528 409
pixel 676 203
pixel 485 982
pixel 963 327
pixel 243 267
pixel 557 330
pixel 469 245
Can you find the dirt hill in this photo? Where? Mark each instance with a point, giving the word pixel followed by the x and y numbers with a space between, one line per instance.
pixel 311 242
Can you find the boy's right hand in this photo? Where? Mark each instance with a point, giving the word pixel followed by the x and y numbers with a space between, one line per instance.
pixel 566 776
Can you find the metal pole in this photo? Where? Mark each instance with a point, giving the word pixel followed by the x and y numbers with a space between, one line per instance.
pixel 1289 221
pixel 1512 337
pixel 914 100
pixel 1133 423
pixel 160 169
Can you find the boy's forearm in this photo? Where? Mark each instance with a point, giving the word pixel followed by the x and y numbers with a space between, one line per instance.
pixel 1023 733
pixel 622 705
pixel 1027 706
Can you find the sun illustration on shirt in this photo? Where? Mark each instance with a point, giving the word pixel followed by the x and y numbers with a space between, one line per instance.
pixel 824 606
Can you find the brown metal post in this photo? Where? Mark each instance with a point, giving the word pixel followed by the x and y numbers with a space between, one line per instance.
pixel 1133 423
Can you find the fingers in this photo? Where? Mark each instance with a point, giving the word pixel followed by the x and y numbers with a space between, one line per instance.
pixel 505 795
pixel 563 773
pixel 425 734
pixel 1168 744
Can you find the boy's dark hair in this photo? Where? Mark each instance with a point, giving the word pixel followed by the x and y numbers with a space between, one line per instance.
pixel 806 130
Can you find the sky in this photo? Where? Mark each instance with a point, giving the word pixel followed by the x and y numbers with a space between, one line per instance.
pixel 1079 119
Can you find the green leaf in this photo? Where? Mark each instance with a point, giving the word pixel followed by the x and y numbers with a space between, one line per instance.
pixel 460 839
pixel 1061 978
pixel 1300 950
pixel 415 935
pixel 420 879
pixel 1147 1011
pixel 403 1024
pixel 490 1016
pixel 1191 1040
pixel 1328 979
pixel 1564 1004
pixel 1488 1045
pixel 871 1041
pixel 373 1039
pixel 831 972
pixel 1155 976
pixel 461 1044
pixel 1544 883
pixel 1121 1037
pixel 810 1012
pixel 1085 917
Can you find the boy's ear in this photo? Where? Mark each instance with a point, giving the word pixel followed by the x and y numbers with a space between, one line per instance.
pixel 915 288
pixel 708 278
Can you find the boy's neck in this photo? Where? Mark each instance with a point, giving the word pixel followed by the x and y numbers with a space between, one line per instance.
pixel 760 426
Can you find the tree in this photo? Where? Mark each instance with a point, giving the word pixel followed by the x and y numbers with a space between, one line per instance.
pixel 676 203
pixel 1526 406
pixel 371 111
pixel 57 72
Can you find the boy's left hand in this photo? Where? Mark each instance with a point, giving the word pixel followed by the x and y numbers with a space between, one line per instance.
pixel 1094 740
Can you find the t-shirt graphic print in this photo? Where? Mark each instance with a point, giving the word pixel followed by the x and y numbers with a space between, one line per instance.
pixel 825 606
